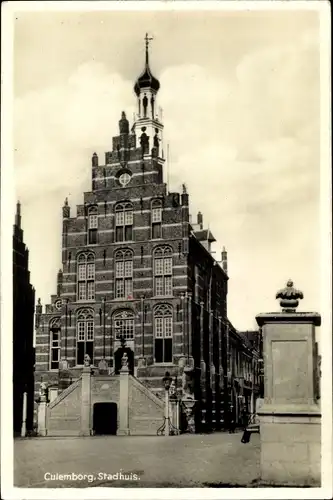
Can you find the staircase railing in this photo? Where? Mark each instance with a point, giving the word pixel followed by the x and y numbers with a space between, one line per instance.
pixel 64 393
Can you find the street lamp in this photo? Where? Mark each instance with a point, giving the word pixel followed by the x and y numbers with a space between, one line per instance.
pixel 167 382
pixel 167 425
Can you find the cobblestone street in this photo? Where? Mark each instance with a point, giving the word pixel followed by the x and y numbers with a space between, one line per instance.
pixel 214 460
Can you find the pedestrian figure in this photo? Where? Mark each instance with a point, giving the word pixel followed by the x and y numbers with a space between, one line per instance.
pixel 246 437
pixel 232 425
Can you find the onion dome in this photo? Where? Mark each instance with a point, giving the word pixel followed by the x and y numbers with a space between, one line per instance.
pixel 146 80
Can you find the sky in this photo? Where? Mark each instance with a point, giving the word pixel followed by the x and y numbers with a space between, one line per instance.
pixel 240 98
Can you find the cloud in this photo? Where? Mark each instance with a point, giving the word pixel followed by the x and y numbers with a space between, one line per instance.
pixel 245 141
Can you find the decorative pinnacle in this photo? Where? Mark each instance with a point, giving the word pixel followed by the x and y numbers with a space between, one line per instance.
pixel 289 297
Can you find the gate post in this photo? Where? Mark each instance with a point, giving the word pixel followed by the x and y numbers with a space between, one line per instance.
pixel 42 409
pixel 290 419
pixel 123 398
pixel 86 400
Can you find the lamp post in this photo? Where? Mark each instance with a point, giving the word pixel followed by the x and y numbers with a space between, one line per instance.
pixel 167 382
pixel 167 425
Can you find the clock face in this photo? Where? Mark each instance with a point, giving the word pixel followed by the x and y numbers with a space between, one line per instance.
pixel 124 179
pixel 58 304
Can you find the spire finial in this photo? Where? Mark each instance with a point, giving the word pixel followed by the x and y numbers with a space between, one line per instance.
pixel 147 40
pixel 18 214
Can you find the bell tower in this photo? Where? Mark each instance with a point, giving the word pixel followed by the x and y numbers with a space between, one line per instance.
pixel 148 126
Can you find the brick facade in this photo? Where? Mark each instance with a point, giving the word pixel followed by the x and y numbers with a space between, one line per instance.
pixel 149 264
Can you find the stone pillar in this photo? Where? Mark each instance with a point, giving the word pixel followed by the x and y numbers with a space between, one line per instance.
pixel 42 428
pixel 174 414
pixel 86 402
pixel 124 398
pixel 290 419
pixel 189 405
pixel 24 416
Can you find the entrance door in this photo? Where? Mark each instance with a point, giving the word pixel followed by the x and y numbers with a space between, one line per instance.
pixel 105 418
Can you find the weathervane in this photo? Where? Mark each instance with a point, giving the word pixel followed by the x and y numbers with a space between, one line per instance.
pixel 147 39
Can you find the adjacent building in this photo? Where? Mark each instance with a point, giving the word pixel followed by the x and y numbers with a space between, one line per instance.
pixel 23 330
pixel 138 275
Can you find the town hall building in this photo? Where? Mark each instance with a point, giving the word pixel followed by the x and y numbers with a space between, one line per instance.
pixel 138 277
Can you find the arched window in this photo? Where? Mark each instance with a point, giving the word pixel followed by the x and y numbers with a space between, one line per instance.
pixel 163 271
pixel 86 276
pixel 123 325
pixel 163 330
pixel 124 222
pixel 55 330
pixel 92 225
pixel 124 274
pixel 84 335
pixel 156 219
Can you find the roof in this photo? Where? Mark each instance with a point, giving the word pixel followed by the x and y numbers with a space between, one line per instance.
pixel 204 235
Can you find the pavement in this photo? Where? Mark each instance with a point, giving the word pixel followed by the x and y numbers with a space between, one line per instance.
pixel 211 460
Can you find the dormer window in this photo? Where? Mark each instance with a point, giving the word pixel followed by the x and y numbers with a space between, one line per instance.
pixel 92 226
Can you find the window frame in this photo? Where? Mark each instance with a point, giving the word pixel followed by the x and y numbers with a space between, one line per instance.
pixel 92 227
pixel 86 277
pixel 156 225
pixel 124 226
pixel 55 328
pixel 84 318
pixel 163 272
pixel 126 320
pixel 123 278
pixel 163 328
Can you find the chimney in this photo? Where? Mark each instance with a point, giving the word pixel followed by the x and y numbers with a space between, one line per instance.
pixel 200 220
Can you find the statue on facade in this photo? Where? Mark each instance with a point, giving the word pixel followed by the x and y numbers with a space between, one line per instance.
pixel 43 391
pixel 86 360
pixel 124 362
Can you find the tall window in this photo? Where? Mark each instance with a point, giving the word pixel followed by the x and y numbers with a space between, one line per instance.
pixel 163 271
pixel 156 219
pixel 124 274
pixel 84 335
pixel 92 226
pixel 86 277
pixel 123 325
pixel 124 222
pixel 163 333
pixel 55 343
